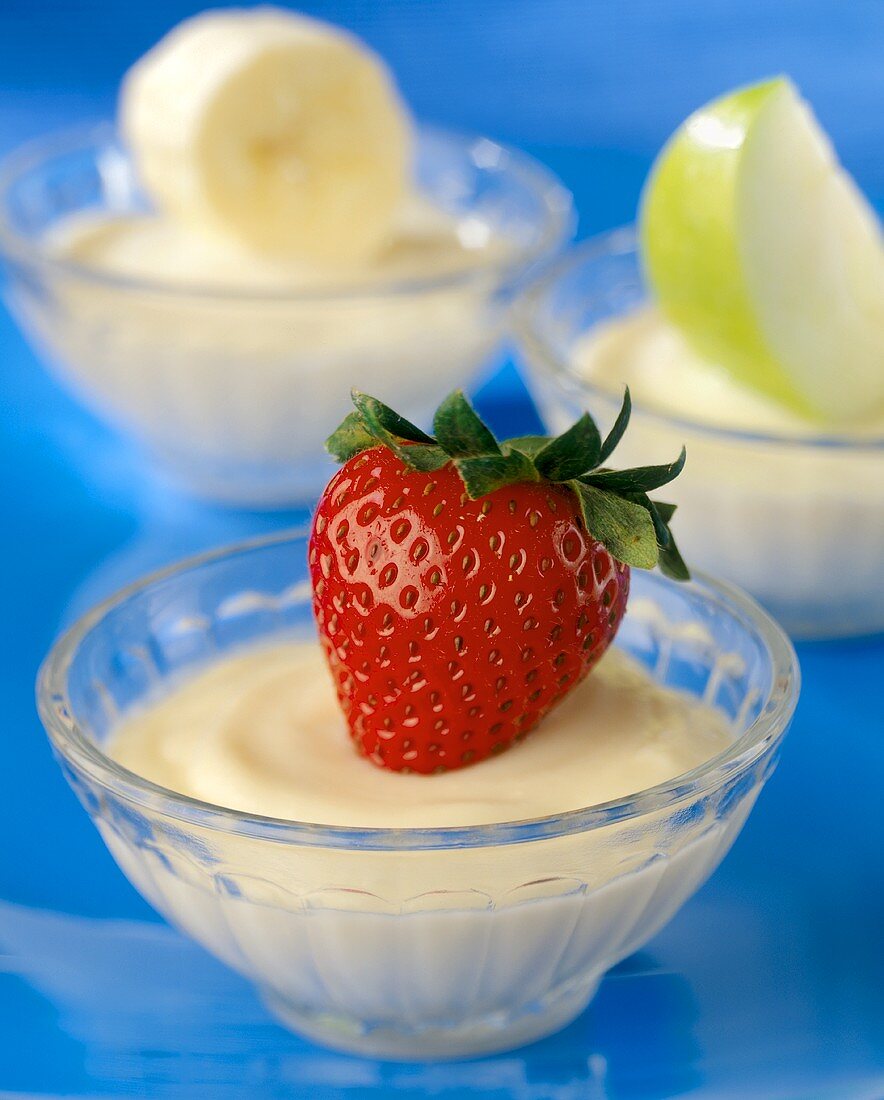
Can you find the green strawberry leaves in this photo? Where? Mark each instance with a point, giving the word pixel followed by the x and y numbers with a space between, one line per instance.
pixel 350 438
pixel 625 528
pixel 459 430
pixel 380 417
pixel 639 480
pixel 614 504
pixel 672 564
pixel 572 453
pixel 528 445
pixel 485 473
pixel 409 443
pixel 616 433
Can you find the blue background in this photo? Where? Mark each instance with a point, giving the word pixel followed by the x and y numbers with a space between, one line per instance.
pixel 770 982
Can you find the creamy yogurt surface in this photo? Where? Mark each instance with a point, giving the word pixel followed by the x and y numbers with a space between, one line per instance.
pixel 262 732
pixel 644 351
pixel 424 242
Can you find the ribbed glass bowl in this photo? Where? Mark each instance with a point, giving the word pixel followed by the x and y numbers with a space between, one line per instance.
pixel 233 391
pixel 411 943
pixel 796 520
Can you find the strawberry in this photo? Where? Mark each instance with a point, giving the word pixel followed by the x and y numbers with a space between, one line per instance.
pixel 462 587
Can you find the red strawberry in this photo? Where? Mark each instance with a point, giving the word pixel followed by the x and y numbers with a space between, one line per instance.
pixel 463 587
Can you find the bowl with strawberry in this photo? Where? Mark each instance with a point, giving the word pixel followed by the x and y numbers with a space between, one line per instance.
pixel 425 772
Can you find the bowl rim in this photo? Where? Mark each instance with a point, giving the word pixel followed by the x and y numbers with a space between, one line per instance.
pixel 557 226
pixel 82 754
pixel 546 361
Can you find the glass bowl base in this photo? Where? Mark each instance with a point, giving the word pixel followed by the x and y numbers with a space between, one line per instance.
pixel 469 1037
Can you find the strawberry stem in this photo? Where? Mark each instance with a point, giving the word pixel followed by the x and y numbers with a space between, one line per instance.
pixel 614 504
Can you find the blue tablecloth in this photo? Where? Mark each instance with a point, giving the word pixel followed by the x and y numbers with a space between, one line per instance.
pixel 770 981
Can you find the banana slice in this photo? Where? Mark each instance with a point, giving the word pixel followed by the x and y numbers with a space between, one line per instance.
pixel 279 130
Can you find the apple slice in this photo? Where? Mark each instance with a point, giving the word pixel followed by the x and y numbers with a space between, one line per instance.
pixel 761 248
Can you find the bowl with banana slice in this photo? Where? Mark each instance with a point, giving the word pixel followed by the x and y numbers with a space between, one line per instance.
pixel 263 227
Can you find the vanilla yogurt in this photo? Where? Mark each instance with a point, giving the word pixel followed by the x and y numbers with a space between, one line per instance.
pixel 263 733
pixel 777 504
pixel 233 367
pixel 424 243
pixel 444 950
pixel 665 374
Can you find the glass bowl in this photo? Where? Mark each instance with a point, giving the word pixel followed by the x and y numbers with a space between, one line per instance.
pixel 411 943
pixel 235 391
pixel 796 520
